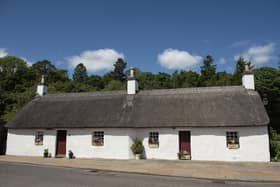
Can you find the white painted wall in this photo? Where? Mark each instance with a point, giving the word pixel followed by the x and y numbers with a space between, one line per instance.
pixel 22 142
pixel 248 81
pixel 206 143
pixel 42 90
pixel 132 86
pixel 116 143
pixel 210 144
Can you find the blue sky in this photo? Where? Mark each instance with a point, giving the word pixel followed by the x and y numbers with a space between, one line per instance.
pixel 151 35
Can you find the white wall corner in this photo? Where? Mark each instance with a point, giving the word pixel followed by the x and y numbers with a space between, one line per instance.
pixel 132 87
pixel 248 81
pixel 42 90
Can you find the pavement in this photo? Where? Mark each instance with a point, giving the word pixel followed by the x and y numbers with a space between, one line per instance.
pixel 229 171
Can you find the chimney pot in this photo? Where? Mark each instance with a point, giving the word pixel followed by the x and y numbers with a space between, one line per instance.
pixel 42 88
pixel 248 80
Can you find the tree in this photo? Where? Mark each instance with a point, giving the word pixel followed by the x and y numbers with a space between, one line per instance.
pixel 185 79
pixel 115 85
pixel 95 81
pixel 239 70
pixel 223 79
pixel 45 67
pixel 80 73
pixel 118 72
pixel 208 71
pixel 146 80
pixel 267 83
pixel 42 67
pixel 14 74
pixel 162 80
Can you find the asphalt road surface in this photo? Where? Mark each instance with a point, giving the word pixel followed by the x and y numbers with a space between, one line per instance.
pixel 24 175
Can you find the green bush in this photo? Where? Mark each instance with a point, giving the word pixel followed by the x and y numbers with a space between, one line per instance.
pixel 137 146
pixel 274 145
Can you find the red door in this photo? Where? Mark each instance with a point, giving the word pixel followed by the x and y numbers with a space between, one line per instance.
pixel 185 141
pixel 61 143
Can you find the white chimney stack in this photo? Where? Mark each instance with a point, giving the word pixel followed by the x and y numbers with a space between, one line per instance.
pixel 42 88
pixel 132 84
pixel 248 78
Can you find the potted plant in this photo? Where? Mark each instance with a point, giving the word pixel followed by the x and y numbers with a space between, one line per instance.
pixel 184 155
pixel 137 148
pixel 70 154
pixel 46 153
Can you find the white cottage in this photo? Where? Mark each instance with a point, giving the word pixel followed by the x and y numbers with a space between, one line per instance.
pixel 211 123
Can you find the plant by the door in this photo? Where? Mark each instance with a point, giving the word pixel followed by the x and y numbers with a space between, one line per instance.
pixel 46 153
pixel 137 148
pixel 70 154
pixel 184 155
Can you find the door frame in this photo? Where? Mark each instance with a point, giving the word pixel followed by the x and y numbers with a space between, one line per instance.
pixel 56 145
pixel 179 138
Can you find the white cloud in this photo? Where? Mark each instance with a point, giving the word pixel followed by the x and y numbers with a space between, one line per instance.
pixel 3 52
pixel 258 54
pixel 29 63
pixel 96 60
pixel 222 61
pixel 176 59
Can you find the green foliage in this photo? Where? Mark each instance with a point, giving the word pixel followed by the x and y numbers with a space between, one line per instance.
pixel 239 69
pixel 137 146
pixel 185 79
pixel 13 102
pixel 115 85
pixel 118 72
pixel 96 82
pixel 223 79
pixel 208 71
pixel 274 145
pixel 146 80
pixel 80 73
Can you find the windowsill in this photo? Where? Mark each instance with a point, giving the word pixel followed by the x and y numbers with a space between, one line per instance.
pixel 98 145
pixel 153 145
pixel 233 146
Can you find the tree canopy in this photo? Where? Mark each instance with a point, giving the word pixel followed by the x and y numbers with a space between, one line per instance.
pixel 18 81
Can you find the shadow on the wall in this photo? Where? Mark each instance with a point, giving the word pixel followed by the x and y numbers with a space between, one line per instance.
pixel 3 138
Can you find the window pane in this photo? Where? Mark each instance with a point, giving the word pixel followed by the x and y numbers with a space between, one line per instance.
pixel 153 139
pixel 39 136
pixel 232 140
pixel 98 138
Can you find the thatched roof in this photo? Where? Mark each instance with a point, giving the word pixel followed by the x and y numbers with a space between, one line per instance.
pixel 188 107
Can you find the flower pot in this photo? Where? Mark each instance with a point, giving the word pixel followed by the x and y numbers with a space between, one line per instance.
pixel 46 154
pixel 137 156
pixel 71 155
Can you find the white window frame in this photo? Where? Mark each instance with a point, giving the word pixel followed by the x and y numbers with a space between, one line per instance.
pixel 232 140
pixel 153 140
pixel 39 138
pixel 98 135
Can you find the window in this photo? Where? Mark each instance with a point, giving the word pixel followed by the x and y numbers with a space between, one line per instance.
pixel 98 138
pixel 232 140
pixel 39 136
pixel 153 140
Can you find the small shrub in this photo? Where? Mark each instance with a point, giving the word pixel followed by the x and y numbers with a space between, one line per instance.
pixel 137 146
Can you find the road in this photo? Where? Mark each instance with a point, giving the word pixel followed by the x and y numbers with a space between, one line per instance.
pixel 24 175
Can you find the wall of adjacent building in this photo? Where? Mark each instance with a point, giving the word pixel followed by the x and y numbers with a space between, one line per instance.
pixel 206 143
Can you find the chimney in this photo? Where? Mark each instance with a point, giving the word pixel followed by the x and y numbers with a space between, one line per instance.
pixel 132 83
pixel 42 88
pixel 248 78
